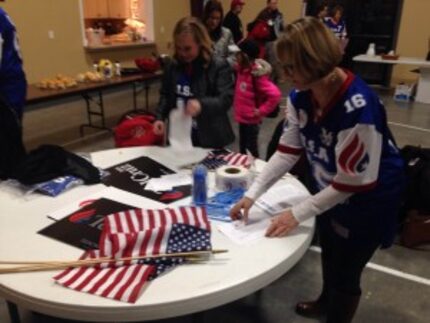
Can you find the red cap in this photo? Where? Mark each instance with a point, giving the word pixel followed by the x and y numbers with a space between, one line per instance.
pixel 235 3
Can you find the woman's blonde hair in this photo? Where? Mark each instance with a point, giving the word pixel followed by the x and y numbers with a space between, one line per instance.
pixel 194 27
pixel 309 48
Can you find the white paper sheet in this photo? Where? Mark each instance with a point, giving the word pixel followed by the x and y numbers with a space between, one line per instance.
pixel 187 159
pixel 281 197
pixel 167 182
pixel 233 48
pixel 243 234
pixel 180 130
pixel 248 234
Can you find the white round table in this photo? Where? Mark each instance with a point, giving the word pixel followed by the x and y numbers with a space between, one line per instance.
pixel 184 290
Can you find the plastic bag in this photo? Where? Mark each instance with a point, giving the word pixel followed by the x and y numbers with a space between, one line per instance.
pixel 218 207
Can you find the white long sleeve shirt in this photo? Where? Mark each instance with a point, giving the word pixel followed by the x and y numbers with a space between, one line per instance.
pixel 281 162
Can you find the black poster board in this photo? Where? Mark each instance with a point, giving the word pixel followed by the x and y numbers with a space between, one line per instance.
pixel 83 227
pixel 133 175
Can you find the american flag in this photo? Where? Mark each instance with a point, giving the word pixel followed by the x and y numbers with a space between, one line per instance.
pixel 221 157
pixel 137 233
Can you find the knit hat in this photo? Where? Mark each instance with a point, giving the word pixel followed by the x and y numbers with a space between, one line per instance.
pixel 250 48
pixel 235 3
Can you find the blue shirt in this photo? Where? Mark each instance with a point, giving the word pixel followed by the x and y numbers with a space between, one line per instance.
pixel 183 91
pixel 13 85
pixel 338 28
pixel 350 147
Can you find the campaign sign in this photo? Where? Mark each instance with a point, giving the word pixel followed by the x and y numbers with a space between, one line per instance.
pixel 83 227
pixel 133 175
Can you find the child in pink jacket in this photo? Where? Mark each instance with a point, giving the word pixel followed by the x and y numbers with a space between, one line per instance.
pixel 255 95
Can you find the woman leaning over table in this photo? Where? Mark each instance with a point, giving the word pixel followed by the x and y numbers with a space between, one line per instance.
pixel 201 83
pixel 340 124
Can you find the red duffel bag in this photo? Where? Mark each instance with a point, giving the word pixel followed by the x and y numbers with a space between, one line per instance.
pixel 149 65
pixel 135 129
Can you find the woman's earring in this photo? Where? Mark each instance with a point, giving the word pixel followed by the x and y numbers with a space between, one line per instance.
pixel 334 76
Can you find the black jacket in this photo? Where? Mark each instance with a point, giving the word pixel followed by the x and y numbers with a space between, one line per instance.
pixel 233 22
pixel 213 87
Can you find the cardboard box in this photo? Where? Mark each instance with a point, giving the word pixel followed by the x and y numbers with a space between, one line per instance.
pixel 404 92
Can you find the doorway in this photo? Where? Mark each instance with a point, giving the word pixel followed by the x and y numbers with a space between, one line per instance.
pixel 367 21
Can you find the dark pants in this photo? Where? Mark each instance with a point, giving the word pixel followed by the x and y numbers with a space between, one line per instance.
pixel 194 138
pixel 248 138
pixel 12 150
pixel 274 141
pixel 342 260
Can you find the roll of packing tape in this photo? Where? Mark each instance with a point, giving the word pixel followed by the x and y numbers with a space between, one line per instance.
pixel 229 177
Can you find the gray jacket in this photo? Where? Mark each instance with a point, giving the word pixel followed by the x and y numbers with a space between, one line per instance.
pixel 221 46
pixel 213 86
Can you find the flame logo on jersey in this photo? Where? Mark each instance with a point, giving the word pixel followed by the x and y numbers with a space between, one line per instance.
pixel 354 158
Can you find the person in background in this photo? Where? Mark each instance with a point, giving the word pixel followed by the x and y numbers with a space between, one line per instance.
pixel 13 84
pixel 273 17
pixel 265 29
pixel 232 20
pixel 222 37
pixel 321 11
pixel 202 82
pixel 255 95
pixel 336 23
pixel 13 88
pixel 260 31
pixel 340 123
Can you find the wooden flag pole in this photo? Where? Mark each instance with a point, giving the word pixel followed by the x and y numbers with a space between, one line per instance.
pixel 31 266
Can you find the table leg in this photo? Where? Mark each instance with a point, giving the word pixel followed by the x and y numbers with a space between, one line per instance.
pixel 146 97
pixel 136 92
pixel 134 97
pixel 13 312
pixel 259 295
pixel 90 101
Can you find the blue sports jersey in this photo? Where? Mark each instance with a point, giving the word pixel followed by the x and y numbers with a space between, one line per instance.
pixel 338 28
pixel 183 89
pixel 350 147
pixel 13 85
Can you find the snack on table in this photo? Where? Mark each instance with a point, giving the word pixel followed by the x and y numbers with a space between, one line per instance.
pixel 119 38
pixel 89 77
pixel 60 82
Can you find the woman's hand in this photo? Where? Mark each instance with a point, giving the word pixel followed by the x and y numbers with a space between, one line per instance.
pixel 243 205
pixel 257 113
pixel 159 128
pixel 193 107
pixel 282 224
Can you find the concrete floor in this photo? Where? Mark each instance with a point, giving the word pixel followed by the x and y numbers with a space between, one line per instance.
pixel 396 287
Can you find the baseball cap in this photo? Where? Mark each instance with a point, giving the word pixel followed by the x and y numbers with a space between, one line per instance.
pixel 250 48
pixel 235 3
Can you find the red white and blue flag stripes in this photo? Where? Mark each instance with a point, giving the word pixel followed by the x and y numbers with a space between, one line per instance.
pixel 139 232
pixel 221 157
